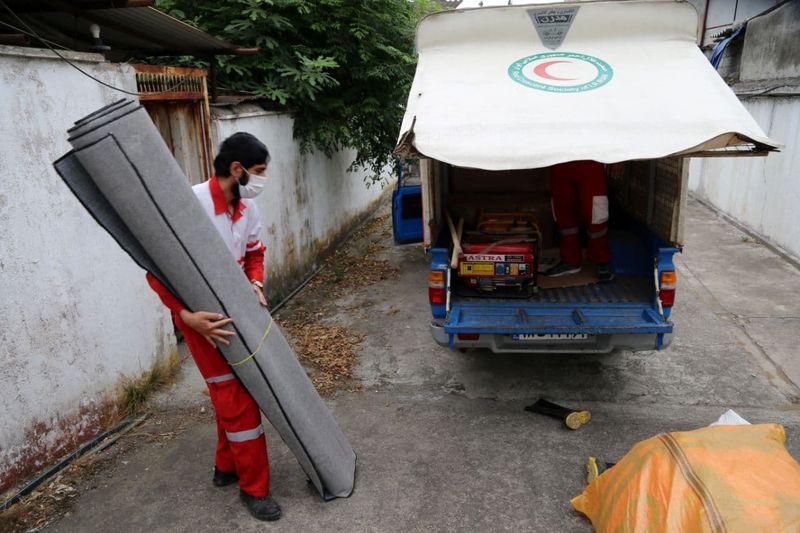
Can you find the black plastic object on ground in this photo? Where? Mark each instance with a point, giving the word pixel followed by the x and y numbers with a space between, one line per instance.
pixel 571 417
pixel 125 176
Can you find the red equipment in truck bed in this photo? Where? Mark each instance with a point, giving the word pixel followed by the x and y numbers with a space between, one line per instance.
pixel 488 265
pixel 503 252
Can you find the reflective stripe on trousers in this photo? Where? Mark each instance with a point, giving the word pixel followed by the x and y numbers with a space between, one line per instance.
pixel 244 436
pixel 241 442
pixel 597 234
pixel 219 379
pixel 569 231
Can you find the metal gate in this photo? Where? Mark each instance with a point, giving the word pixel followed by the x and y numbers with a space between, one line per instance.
pixel 177 100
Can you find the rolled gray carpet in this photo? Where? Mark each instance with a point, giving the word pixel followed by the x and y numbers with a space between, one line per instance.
pixel 139 194
pixel 82 186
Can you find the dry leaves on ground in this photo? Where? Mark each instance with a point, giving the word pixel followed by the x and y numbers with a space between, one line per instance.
pixel 47 503
pixel 350 269
pixel 343 273
pixel 378 225
pixel 329 351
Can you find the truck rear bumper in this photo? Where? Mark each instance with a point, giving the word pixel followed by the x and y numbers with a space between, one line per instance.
pixel 603 343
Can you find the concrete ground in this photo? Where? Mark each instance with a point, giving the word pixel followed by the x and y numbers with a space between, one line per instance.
pixel 443 442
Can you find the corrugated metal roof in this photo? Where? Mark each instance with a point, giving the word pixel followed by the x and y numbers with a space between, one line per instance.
pixel 128 31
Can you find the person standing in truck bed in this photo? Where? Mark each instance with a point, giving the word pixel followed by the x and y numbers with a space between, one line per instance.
pixel 580 194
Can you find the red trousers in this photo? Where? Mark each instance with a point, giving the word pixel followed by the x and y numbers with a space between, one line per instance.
pixel 241 444
pixel 580 193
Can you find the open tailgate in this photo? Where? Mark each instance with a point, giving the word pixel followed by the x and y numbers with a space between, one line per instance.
pixel 521 318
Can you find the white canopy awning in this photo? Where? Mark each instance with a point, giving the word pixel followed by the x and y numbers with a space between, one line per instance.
pixel 534 85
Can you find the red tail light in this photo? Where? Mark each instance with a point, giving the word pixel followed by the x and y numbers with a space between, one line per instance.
pixel 436 292
pixel 669 281
pixel 468 336
pixel 436 296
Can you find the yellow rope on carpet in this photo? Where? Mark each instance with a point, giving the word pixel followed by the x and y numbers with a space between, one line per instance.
pixel 260 343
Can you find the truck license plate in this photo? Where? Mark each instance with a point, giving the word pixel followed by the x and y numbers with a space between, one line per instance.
pixel 550 336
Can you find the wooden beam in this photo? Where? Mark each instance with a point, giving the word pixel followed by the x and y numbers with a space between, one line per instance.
pixel 730 153
pixel 172 96
pixel 163 69
pixel 455 234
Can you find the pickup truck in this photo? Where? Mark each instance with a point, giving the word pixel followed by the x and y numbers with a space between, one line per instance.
pixel 500 95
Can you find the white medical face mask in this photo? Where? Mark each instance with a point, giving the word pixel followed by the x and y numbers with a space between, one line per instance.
pixel 255 184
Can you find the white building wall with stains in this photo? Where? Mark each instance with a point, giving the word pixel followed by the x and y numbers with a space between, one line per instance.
pixel 761 193
pixel 78 315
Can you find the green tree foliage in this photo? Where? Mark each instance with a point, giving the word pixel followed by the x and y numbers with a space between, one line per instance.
pixel 341 67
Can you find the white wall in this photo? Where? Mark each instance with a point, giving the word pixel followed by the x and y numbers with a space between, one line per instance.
pixel 761 193
pixel 77 313
pixel 310 200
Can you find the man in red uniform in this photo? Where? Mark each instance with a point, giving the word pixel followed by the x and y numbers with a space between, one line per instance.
pixel 241 446
pixel 580 193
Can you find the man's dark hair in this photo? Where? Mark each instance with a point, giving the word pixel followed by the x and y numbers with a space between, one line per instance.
pixel 241 147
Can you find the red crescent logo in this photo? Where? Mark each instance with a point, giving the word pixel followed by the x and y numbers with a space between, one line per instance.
pixel 541 71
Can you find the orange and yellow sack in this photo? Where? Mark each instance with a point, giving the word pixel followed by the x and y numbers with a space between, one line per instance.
pixel 720 478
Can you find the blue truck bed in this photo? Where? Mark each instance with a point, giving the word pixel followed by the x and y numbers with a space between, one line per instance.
pixel 623 313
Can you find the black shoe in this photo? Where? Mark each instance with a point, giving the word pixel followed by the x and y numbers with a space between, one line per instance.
pixel 561 269
pixel 223 479
pixel 604 272
pixel 263 508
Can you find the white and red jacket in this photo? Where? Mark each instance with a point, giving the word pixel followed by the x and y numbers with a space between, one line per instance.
pixel 240 231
